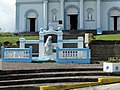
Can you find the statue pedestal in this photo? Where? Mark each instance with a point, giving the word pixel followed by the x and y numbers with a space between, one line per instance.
pixel 44 58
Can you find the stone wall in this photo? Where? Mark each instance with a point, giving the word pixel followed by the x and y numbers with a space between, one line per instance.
pixel 100 52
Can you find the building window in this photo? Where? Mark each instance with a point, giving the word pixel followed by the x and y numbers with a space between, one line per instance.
pixel 90 14
pixel 54 14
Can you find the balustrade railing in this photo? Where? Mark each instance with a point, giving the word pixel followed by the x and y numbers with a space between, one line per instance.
pixel 16 54
pixel 73 55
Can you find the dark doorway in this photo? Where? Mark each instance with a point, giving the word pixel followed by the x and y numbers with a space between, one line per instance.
pixel 73 22
pixel 115 23
pixel 32 24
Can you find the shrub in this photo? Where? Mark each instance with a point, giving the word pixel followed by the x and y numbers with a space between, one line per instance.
pixel 17 43
pixel 6 34
pixel 0 44
pixel 7 43
pixel 113 59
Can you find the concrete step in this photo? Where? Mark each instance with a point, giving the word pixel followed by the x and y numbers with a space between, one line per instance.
pixel 34 86
pixel 16 74
pixel 55 74
pixel 51 80
pixel 6 72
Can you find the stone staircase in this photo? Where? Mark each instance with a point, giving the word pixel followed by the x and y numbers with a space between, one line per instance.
pixel 28 33
pixel 74 34
pixel 26 78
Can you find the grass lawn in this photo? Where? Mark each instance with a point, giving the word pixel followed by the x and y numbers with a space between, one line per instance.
pixel 14 39
pixel 108 37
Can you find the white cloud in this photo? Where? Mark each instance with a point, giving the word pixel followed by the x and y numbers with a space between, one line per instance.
pixel 7 15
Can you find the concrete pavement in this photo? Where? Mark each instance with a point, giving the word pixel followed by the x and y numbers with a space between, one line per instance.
pixel 115 86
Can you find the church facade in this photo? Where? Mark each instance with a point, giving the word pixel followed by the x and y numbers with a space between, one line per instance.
pixel 31 15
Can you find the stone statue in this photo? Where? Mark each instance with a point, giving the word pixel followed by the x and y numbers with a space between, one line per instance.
pixel 89 16
pixel 48 48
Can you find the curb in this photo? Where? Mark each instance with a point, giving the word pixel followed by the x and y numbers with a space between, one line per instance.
pixel 69 86
pixel 101 81
pixel 108 80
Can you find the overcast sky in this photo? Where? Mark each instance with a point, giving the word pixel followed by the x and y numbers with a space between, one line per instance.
pixel 7 15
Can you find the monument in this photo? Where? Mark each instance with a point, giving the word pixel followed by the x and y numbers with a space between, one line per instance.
pixel 52 47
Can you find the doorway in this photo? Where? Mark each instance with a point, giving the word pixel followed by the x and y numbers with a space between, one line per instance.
pixel 73 22
pixel 32 24
pixel 115 23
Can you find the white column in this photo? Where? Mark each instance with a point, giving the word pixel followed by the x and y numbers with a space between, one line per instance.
pixel 45 6
pixel 80 43
pixel 62 12
pixel 86 39
pixel 41 44
pixel 98 14
pixel 17 16
pixel 81 14
pixel 22 42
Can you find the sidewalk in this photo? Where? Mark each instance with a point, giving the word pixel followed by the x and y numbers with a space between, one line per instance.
pixel 30 66
pixel 115 86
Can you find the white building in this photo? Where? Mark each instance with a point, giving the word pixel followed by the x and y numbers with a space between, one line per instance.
pixel 70 14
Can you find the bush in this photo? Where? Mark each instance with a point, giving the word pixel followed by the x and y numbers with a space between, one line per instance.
pixel 7 43
pixel 0 44
pixel 6 34
pixel 113 60
pixel 17 43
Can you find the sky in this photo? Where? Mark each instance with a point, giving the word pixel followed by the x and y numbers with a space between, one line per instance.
pixel 7 15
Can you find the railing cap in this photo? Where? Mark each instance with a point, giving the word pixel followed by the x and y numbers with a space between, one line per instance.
pixel 21 39
pixel 80 38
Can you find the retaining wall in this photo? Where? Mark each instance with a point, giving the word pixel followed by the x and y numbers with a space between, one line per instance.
pixel 100 52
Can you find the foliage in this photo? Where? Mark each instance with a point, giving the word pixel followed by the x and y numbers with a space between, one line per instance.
pixel 113 59
pixel 7 43
pixel 6 34
pixel 91 37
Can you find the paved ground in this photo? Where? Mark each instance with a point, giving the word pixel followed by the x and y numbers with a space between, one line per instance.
pixel 115 86
pixel 28 66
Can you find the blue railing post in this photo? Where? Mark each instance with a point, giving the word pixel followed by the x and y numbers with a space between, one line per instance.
pixel 30 55
pixel 57 54
pixel 87 53
pixel 2 52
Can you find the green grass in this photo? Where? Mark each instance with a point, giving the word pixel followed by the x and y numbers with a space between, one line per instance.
pixel 108 37
pixel 14 39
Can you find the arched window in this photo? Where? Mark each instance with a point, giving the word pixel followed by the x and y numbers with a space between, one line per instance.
pixel 90 14
pixel 54 14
